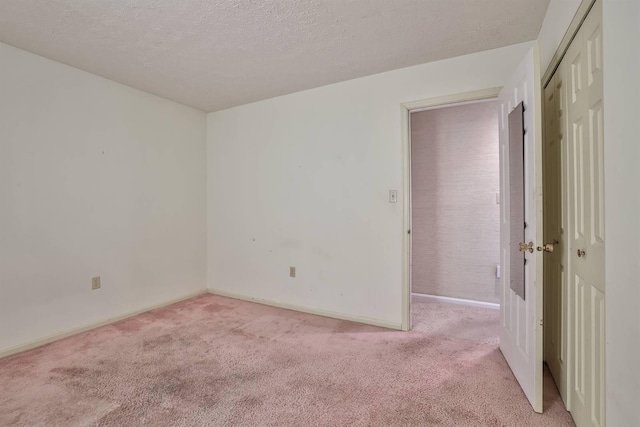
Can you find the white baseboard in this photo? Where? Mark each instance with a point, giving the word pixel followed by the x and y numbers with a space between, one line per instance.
pixel 55 337
pixel 460 301
pixel 324 313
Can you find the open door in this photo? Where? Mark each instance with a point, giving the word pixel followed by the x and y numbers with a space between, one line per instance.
pixel 521 245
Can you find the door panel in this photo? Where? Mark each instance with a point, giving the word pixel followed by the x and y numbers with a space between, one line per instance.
pixel 594 93
pixel 597 356
pixel 579 381
pixel 521 319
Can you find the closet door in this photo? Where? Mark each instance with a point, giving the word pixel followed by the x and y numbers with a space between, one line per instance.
pixel 583 63
pixel 555 289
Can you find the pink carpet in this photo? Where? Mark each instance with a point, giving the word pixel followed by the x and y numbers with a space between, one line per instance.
pixel 213 361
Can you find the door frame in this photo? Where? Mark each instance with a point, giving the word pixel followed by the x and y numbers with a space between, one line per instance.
pixel 574 26
pixel 405 110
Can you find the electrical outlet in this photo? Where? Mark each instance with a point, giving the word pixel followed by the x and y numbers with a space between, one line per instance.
pixel 292 272
pixel 95 283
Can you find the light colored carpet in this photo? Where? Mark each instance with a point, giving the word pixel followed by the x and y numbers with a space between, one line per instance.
pixel 477 324
pixel 220 362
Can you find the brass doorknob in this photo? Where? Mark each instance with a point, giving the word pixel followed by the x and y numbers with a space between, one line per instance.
pixel 548 247
pixel 581 253
pixel 523 247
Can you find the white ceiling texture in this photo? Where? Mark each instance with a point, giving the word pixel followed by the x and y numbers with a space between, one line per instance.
pixel 216 54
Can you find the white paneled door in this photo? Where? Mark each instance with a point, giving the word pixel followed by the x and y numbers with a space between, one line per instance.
pixel 521 314
pixel 574 273
pixel 582 70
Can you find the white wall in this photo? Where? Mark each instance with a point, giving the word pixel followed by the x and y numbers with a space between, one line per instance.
pixel 621 68
pixel 302 180
pixel 555 24
pixel 95 179
pixel 455 225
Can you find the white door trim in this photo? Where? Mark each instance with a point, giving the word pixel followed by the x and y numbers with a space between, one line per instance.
pixel 405 111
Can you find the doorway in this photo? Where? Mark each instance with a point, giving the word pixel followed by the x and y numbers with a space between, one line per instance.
pixel 450 106
pixel 528 369
pixel 455 219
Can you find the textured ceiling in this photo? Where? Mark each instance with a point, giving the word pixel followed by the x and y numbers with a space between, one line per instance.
pixel 215 54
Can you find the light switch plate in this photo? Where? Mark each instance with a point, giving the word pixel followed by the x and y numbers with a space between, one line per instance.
pixel 95 283
pixel 393 196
